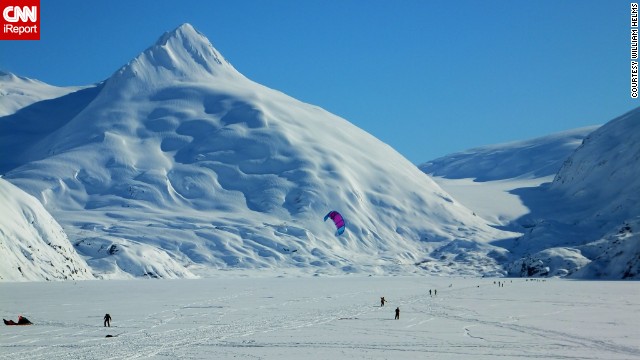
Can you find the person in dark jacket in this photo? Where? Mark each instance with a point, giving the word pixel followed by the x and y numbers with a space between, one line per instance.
pixel 397 313
pixel 107 320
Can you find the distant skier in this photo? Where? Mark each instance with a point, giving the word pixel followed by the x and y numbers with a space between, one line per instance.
pixel 435 292
pixel 382 301
pixel 429 292
pixel 397 313
pixel 107 320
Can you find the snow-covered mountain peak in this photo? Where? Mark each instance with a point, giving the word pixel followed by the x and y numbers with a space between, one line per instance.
pixel 186 40
pixel 183 54
pixel 7 76
pixel 179 165
pixel 185 33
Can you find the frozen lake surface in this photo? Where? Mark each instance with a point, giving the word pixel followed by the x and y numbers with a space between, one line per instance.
pixel 261 317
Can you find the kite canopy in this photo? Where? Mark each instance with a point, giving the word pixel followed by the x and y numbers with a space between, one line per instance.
pixel 338 220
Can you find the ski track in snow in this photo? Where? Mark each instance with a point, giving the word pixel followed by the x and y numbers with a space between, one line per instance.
pixel 319 318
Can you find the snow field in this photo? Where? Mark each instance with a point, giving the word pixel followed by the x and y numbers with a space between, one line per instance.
pixel 322 317
pixel 493 201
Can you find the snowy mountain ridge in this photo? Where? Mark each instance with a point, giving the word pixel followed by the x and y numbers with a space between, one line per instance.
pixel 179 166
pixel 17 92
pixel 534 158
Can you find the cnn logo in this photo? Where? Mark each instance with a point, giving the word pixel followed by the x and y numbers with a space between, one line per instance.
pixel 20 20
pixel 15 13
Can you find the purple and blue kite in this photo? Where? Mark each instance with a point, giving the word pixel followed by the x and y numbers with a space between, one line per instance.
pixel 338 220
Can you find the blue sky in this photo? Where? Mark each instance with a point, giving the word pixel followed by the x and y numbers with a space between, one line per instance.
pixel 427 77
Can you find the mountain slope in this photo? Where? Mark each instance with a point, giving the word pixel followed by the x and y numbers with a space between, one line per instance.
pixel 591 208
pixel 582 223
pixel 33 246
pixel 603 173
pixel 179 152
pixel 595 197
